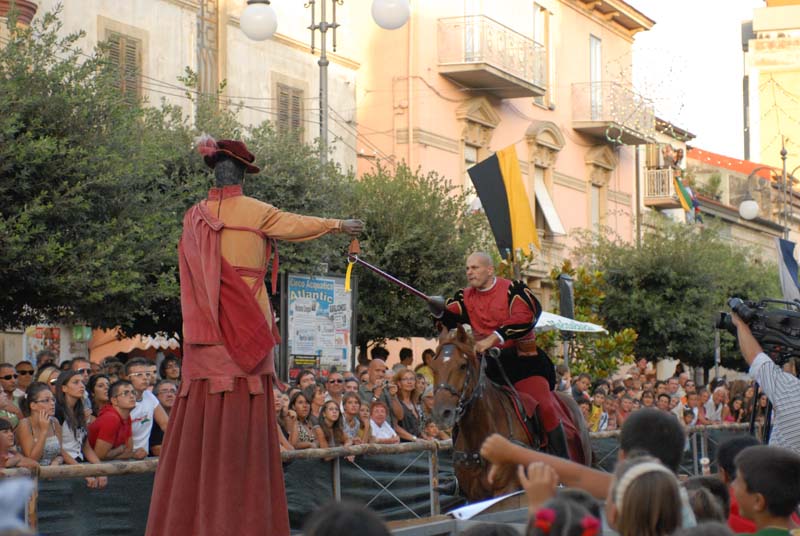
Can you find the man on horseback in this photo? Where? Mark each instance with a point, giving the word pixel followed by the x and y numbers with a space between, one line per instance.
pixel 502 314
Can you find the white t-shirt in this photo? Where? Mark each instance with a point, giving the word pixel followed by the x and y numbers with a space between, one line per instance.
pixel 384 431
pixel 142 420
pixel 72 445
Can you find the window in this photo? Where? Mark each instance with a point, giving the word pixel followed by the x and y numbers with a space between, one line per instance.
pixel 596 191
pixel 470 159
pixel 596 76
pixel 290 109
pixel 125 54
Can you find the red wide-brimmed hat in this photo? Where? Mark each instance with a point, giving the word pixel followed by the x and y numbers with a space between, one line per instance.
pixel 212 150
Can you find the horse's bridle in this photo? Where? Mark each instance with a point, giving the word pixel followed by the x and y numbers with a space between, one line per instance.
pixel 463 403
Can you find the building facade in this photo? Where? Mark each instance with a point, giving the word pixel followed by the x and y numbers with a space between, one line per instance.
pixel 551 77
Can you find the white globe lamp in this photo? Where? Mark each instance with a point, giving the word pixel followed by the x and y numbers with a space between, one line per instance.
pixel 258 20
pixel 748 210
pixel 390 14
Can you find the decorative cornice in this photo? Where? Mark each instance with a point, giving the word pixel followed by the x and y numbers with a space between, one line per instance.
pixel 25 8
pixel 192 5
pixel 569 182
pixel 621 198
pixel 425 137
pixel 233 20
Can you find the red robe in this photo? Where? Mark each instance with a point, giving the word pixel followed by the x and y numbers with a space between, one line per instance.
pixel 220 471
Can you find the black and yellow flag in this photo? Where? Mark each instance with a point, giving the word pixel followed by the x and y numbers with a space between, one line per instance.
pixel 498 182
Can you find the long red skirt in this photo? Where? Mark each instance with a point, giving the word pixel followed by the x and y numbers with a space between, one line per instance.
pixel 220 471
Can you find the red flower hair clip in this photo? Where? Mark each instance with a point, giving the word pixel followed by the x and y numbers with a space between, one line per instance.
pixel 544 519
pixel 590 526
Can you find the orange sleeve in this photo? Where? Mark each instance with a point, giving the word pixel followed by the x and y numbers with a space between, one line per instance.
pixel 282 225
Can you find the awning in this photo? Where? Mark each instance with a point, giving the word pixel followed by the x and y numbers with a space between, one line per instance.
pixel 548 208
pixel 108 343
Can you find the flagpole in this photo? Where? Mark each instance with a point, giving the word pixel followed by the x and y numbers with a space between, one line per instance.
pixel 786 199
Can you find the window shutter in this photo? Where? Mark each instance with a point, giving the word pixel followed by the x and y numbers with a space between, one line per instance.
pixel 125 54
pixel 290 109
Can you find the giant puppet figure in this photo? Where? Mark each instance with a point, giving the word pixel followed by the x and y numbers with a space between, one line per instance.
pixel 220 470
pixel 502 314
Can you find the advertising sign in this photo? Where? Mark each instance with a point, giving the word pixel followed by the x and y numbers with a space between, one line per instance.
pixel 319 327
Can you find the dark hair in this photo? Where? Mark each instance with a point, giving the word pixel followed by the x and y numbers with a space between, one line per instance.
pixel 584 498
pixel 348 396
pixel 655 432
pixel 379 352
pixel 294 398
pixel 569 518
pixel 406 353
pixel 162 370
pixel 79 358
pixel 136 362
pixel 649 393
pixel 336 518
pixel 663 395
pixel 5 424
pixel 334 434
pixel 45 353
pixel 774 473
pixel 584 402
pixel 708 528
pixel 114 387
pixel 490 529
pixel 93 379
pixel 303 374
pixel 729 449
pixel 584 375
pixel 73 416
pixel 65 365
pixel 32 392
pixel 352 379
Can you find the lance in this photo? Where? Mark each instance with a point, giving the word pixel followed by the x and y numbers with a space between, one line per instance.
pixel 353 258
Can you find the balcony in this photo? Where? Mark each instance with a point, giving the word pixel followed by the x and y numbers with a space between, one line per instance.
pixel 612 112
pixel 481 54
pixel 659 189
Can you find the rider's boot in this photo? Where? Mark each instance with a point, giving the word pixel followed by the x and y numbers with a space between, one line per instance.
pixel 557 442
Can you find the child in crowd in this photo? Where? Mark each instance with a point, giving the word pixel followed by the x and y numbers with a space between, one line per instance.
pixel 767 488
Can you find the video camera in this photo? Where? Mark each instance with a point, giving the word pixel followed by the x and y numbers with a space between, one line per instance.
pixel 776 329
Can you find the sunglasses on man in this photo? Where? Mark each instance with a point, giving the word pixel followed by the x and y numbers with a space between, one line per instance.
pixel 25 372
pixel 9 377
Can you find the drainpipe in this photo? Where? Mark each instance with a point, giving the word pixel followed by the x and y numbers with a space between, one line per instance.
pixel 637 210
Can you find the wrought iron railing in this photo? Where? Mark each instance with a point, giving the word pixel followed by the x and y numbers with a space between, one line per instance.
pixel 658 183
pixel 613 103
pixel 478 39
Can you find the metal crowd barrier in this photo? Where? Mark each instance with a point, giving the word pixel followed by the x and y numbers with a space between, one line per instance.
pixel 702 441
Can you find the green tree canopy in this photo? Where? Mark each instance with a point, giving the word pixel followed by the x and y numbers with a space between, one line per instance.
pixel 671 288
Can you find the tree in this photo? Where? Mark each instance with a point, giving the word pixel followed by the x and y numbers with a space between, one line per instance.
pixel 597 355
pixel 672 287
pixel 87 187
pixel 417 229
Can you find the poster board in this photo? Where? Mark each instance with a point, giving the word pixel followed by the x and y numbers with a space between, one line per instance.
pixel 319 327
pixel 38 338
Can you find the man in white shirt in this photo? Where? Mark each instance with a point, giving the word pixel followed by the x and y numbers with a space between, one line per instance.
pixel 148 409
pixel 782 388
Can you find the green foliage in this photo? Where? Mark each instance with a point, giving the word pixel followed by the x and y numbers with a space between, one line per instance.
pixel 671 288
pixel 87 225
pixel 598 355
pixel 417 230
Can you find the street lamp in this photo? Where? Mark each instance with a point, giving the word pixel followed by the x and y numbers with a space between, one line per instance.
pixel 748 209
pixel 259 22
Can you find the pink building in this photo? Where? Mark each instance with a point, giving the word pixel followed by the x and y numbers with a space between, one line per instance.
pixel 552 77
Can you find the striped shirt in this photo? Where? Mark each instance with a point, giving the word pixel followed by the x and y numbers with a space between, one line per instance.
pixel 783 390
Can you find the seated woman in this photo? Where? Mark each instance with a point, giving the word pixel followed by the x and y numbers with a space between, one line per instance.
pixel 98 393
pixel 351 419
pixel 406 412
pixel 39 434
pixel 70 414
pixel 306 434
pixel 382 431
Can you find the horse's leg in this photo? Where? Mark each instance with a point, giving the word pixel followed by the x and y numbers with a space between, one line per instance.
pixel 580 425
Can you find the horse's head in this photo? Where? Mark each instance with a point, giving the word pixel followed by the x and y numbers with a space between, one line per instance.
pixel 455 371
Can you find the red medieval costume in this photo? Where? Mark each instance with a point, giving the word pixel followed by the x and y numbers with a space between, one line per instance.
pixel 220 471
pixel 510 310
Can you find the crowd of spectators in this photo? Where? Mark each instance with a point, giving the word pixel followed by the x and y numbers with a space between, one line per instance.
pixel 607 402
pixel 78 411
pixel 372 404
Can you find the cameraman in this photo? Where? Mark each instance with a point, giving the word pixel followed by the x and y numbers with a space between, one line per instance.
pixel 782 388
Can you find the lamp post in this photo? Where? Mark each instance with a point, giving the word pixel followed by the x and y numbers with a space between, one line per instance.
pixel 785 183
pixel 259 22
pixel 748 209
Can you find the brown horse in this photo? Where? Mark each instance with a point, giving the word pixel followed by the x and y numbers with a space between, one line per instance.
pixel 466 400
